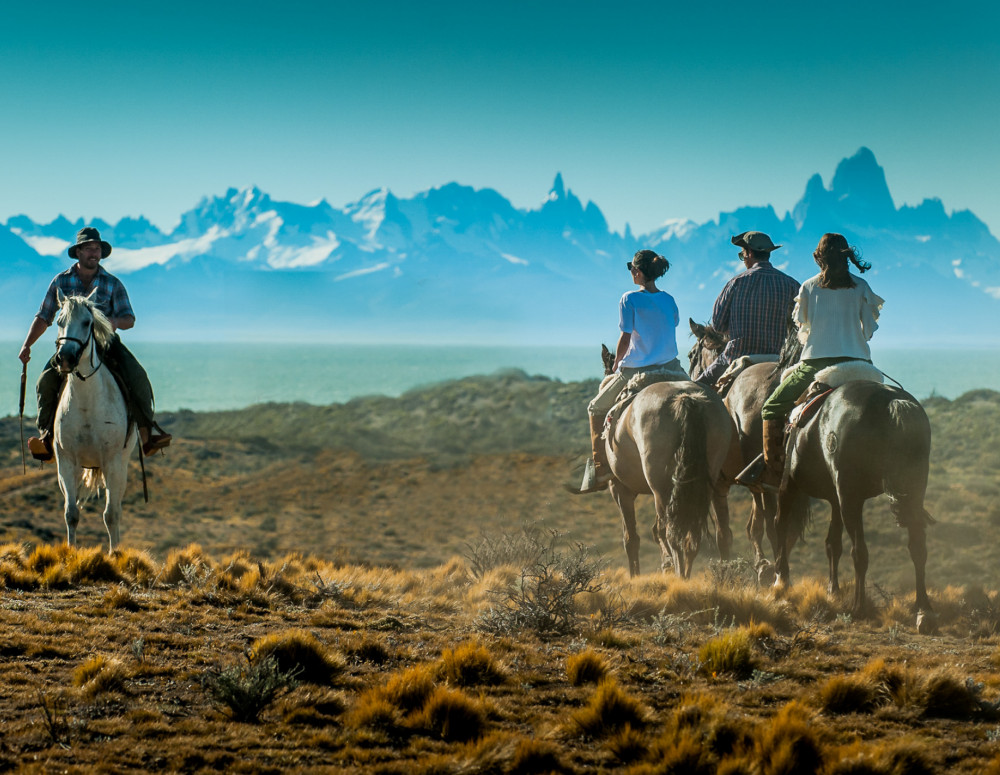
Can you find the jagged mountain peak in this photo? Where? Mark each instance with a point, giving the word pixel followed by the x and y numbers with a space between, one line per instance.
pixel 861 179
pixel 558 190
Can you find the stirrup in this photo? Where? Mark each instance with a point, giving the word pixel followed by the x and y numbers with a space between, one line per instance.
pixel 751 476
pixel 40 450
pixel 156 442
pixel 591 481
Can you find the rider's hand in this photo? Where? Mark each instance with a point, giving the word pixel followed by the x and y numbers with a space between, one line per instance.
pixel 25 354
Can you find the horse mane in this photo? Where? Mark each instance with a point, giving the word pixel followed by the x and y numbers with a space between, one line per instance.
pixel 103 330
pixel 791 349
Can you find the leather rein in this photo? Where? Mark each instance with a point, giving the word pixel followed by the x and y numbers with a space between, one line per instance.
pixel 83 346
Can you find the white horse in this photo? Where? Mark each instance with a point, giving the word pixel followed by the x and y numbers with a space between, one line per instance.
pixel 93 439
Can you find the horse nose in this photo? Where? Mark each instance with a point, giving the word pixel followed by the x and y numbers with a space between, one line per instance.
pixel 67 357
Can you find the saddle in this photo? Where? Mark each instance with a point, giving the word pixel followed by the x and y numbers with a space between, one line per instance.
pixel 635 386
pixel 725 381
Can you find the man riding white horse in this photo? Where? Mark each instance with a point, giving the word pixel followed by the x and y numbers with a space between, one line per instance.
pixel 84 277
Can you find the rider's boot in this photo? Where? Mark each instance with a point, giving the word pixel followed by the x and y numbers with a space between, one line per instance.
pixel 40 447
pixel 765 471
pixel 598 471
pixel 151 442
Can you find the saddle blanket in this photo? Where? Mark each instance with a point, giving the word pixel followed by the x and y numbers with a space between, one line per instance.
pixel 823 384
pixel 635 385
pixel 725 381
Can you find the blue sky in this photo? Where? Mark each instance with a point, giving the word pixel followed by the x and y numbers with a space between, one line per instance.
pixel 652 110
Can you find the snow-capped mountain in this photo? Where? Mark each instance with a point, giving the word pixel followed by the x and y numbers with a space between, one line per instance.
pixel 456 263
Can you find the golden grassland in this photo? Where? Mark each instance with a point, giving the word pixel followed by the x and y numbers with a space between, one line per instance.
pixel 370 550
pixel 114 662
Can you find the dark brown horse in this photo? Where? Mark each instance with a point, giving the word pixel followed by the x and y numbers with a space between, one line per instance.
pixel 867 439
pixel 672 442
pixel 744 400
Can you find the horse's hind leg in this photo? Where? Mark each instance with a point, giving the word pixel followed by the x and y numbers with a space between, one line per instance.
pixel 917 545
pixel 834 547
pixel 720 507
pixel 851 509
pixel 625 499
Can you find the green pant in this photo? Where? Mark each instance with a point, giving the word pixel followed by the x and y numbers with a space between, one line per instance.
pixel 781 402
pixel 122 363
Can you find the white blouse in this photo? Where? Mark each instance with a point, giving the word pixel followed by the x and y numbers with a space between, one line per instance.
pixel 836 323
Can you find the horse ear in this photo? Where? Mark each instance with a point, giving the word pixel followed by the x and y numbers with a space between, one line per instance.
pixel 696 329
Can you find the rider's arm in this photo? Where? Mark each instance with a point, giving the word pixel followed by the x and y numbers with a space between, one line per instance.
pixel 623 342
pixel 123 323
pixel 38 327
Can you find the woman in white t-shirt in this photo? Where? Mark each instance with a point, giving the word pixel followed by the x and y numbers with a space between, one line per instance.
pixel 648 319
pixel 836 314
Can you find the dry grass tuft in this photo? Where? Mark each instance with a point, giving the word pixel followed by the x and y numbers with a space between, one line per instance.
pixel 470 664
pixel 587 667
pixel 535 757
pixel 137 566
pixel 120 598
pixel 610 710
pixel 99 675
pixel 366 648
pixel 180 563
pixel 847 694
pixel 299 652
pixel 451 715
pixel 374 710
pixel 789 745
pixel 944 695
pixel 91 566
pixel 410 689
pixel 627 745
pixel 730 653
pixel 811 601
pixel 891 683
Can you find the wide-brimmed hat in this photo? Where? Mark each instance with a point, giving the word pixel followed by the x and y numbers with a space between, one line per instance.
pixel 757 241
pixel 89 234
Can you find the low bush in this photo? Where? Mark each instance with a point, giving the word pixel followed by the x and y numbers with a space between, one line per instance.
pixel 245 691
pixel 451 715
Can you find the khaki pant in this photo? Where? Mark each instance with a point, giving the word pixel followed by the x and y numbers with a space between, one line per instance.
pixel 781 402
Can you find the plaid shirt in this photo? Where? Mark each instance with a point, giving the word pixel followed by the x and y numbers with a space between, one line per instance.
pixel 753 309
pixel 111 297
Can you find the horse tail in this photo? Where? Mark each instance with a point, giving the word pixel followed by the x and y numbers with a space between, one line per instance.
pixel 691 492
pixel 907 461
pixel 90 484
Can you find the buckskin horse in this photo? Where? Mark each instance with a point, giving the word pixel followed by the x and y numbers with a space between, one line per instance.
pixel 672 441
pixel 93 438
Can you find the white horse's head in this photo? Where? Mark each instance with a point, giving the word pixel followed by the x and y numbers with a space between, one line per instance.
pixel 80 324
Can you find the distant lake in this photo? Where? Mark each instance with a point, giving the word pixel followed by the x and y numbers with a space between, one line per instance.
pixel 205 377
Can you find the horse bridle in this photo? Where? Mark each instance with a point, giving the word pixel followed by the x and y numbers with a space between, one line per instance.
pixel 83 346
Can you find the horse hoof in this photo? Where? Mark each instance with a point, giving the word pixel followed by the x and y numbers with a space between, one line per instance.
pixel 926 622
pixel 766 575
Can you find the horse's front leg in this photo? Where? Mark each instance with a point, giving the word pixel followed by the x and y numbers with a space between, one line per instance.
pixel 625 499
pixel 114 483
pixel 69 483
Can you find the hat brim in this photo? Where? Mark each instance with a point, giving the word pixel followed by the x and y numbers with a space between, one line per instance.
pixel 105 248
pixel 740 242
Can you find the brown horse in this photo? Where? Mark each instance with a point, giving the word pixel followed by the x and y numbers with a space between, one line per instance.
pixel 672 442
pixel 866 439
pixel 744 399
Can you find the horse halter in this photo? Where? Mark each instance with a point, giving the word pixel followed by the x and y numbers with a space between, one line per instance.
pixel 83 346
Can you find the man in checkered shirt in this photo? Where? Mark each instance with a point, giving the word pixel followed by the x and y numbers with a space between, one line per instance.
pixel 86 276
pixel 753 308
